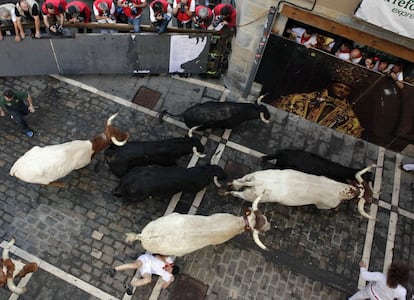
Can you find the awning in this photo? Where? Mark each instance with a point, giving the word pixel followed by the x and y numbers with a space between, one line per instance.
pixel 392 15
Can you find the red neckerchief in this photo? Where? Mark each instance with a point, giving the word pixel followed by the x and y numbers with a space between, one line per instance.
pixel 304 39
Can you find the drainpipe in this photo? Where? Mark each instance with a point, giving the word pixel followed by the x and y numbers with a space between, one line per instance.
pixel 260 49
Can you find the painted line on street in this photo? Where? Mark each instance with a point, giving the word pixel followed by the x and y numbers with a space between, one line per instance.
pixel 200 82
pixel 72 280
pixel 369 237
pixel 392 225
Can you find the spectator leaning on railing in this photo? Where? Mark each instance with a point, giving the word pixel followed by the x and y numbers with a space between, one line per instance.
pixel 29 10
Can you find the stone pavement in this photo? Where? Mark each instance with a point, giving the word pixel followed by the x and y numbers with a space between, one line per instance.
pixel 75 232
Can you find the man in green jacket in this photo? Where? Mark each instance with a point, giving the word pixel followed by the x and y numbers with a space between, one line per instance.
pixel 14 103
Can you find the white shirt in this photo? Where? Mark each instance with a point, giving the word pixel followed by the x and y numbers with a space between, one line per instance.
pixel 378 286
pixel 11 8
pixel 153 265
pixel 299 32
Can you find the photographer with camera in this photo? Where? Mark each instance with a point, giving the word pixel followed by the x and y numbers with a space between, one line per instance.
pixel 183 11
pixel 53 12
pixel 133 10
pixel 78 11
pixel 104 11
pixel 202 17
pixel 224 16
pixel 160 15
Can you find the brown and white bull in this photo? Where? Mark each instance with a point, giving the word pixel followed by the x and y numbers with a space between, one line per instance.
pixel 12 269
pixel 294 188
pixel 43 165
pixel 178 234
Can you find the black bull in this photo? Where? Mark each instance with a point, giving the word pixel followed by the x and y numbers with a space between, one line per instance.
pixel 224 115
pixel 310 163
pixel 145 153
pixel 143 182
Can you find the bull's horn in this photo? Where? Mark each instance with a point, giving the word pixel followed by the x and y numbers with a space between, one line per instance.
pixel 358 175
pixel 7 249
pixel 216 182
pixel 256 203
pixel 13 288
pixel 259 100
pixel 257 240
pixel 201 155
pixel 10 280
pixel 131 237
pixel 109 122
pixel 361 210
pixel 262 117
pixel 118 143
pixel 190 132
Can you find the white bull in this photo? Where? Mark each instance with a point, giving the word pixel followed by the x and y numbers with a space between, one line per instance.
pixel 294 188
pixel 43 165
pixel 178 234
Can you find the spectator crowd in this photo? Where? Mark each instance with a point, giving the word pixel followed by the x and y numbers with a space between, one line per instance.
pixel 54 13
pixel 348 51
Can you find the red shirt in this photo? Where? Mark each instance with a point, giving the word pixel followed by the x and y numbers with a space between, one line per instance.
pixel 183 17
pixel 164 5
pixel 100 11
pixel 127 10
pixel 59 6
pixel 231 20
pixel 207 21
pixel 84 10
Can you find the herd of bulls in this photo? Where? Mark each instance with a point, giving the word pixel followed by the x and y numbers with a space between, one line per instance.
pixel 148 169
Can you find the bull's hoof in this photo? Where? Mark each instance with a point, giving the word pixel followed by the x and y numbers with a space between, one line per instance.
pixel 57 184
pixel 222 192
pixel 116 192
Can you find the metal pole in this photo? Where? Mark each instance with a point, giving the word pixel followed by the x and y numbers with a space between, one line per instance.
pixel 260 49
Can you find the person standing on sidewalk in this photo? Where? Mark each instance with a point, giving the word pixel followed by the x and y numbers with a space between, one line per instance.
pixel 14 103
pixel 384 286
pixel 148 264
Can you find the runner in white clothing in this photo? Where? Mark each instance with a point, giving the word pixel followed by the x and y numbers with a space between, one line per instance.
pixel 381 286
pixel 148 264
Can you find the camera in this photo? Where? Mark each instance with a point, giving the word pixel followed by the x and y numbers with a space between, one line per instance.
pixel 134 10
pixel 182 7
pixel 217 21
pixel 197 22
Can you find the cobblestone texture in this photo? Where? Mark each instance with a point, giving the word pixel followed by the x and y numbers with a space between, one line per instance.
pixel 314 254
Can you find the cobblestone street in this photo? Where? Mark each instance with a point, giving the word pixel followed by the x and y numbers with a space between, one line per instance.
pixel 77 231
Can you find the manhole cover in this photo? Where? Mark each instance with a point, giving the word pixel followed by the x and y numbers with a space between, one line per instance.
pixel 235 170
pixel 188 288
pixel 146 97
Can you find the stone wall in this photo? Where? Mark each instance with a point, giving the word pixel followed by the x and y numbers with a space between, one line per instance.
pixel 244 45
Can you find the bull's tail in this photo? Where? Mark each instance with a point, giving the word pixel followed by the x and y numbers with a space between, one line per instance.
pixel 266 158
pixel 131 237
pixel 117 192
pixel 165 112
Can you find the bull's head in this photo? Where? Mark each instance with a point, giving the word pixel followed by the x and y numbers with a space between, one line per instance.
pixel 114 134
pixel 264 112
pixel 365 194
pixel 110 135
pixel 198 148
pixel 11 274
pixel 258 222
